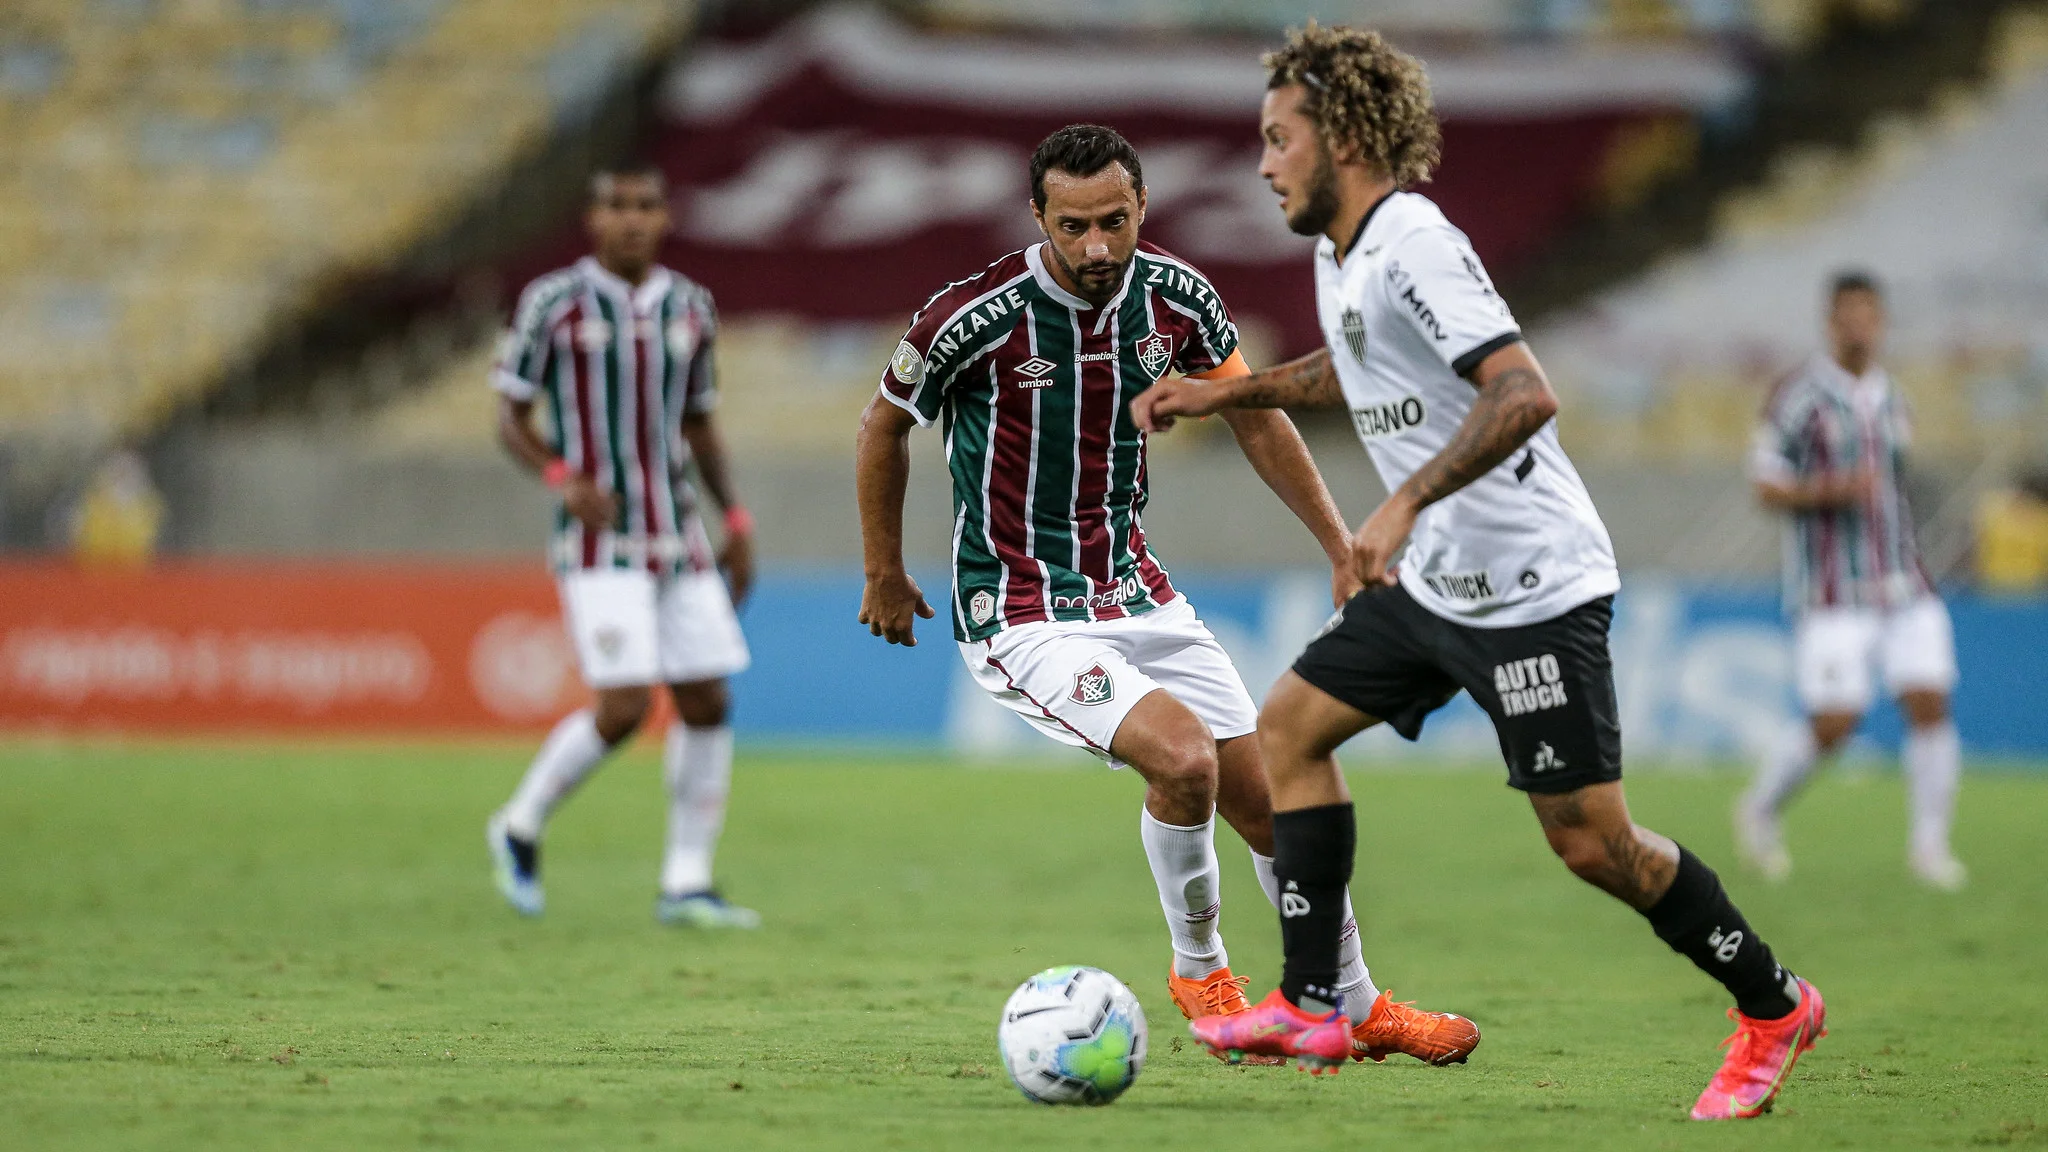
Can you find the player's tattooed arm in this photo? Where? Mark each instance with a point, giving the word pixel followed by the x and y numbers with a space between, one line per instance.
pixel 881 477
pixel 1514 401
pixel 1305 382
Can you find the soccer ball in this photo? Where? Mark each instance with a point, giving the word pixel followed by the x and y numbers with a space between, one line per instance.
pixel 1072 1035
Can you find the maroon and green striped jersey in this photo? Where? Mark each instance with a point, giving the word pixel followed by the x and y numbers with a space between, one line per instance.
pixel 1033 386
pixel 614 368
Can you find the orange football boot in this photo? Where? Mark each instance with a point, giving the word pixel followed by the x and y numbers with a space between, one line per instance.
pixel 1437 1038
pixel 1217 994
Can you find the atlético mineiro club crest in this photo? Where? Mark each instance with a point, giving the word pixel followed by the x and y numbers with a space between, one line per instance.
pixel 1354 333
pixel 1092 685
pixel 1154 353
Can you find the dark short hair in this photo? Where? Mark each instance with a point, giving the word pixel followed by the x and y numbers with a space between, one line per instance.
pixel 1853 280
pixel 603 177
pixel 1082 150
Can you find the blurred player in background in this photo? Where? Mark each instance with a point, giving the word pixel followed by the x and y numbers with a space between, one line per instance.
pixel 1060 610
pixel 1830 457
pixel 616 351
pixel 1485 570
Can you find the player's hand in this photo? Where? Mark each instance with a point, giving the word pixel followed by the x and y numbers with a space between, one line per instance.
pixel 595 507
pixel 1344 582
pixel 1155 408
pixel 1380 540
pixel 887 605
pixel 736 558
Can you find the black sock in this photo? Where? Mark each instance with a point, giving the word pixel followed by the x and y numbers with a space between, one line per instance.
pixel 1312 850
pixel 1700 923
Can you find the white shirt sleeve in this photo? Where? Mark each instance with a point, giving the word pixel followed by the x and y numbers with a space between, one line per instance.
pixel 1435 281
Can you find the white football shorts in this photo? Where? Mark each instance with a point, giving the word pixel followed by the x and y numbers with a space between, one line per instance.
pixel 1076 681
pixel 631 627
pixel 1837 654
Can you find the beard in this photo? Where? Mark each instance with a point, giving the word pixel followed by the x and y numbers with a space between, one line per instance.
pixel 1319 206
pixel 1112 270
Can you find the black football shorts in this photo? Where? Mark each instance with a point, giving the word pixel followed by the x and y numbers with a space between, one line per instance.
pixel 1548 686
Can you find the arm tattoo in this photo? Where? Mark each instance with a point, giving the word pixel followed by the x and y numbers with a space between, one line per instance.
pixel 1306 382
pixel 1510 408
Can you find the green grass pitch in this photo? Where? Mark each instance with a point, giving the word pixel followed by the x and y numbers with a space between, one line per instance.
pixel 298 947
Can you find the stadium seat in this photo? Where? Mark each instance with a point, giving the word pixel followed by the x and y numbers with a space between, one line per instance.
pixel 169 150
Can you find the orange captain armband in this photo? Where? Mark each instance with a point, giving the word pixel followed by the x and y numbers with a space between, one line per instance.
pixel 555 473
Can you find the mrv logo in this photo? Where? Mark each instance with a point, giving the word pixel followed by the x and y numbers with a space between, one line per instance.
pixel 1530 685
pixel 1129 588
pixel 1389 419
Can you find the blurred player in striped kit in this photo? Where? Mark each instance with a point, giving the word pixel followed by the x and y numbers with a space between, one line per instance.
pixel 1829 456
pixel 615 352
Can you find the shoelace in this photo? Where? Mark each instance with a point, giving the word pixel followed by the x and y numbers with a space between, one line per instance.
pixel 1217 996
pixel 1739 1043
pixel 1399 1023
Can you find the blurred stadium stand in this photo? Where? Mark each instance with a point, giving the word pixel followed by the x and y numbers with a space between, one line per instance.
pixel 184 178
pixel 300 340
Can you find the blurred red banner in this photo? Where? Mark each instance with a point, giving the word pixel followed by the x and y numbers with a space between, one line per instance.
pixel 846 166
pixel 265 646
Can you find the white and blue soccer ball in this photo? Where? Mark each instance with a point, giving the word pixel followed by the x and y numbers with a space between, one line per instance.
pixel 1072 1035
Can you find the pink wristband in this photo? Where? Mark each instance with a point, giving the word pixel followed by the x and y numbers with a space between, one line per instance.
pixel 555 473
pixel 739 521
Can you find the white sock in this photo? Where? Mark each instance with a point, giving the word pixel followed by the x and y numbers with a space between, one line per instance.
pixel 566 758
pixel 1784 770
pixel 1934 769
pixel 1190 891
pixel 697 763
pixel 1354 979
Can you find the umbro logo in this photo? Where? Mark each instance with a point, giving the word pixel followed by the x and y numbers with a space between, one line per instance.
pixel 1036 372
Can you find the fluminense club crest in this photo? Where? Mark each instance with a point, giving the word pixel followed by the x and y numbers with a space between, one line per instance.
pixel 1092 685
pixel 1154 353
pixel 1354 333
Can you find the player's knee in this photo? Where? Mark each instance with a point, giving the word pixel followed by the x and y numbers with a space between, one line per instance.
pixel 620 712
pixel 1924 709
pixel 703 704
pixel 1582 852
pixel 1192 763
pixel 1185 770
pixel 1831 730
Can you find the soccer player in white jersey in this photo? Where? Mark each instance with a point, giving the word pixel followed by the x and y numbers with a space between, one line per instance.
pixel 1829 457
pixel 1485 570
pixel 615 352
pixel 1060 609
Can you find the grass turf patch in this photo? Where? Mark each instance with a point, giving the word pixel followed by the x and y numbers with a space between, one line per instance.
pixel 298 947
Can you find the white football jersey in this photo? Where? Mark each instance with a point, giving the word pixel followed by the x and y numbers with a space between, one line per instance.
pixel 1407 312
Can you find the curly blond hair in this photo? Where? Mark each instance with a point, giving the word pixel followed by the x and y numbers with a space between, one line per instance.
pixel 1364 95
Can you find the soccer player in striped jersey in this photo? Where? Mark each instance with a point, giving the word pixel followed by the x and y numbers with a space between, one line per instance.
pixel 1058 606
pixel 614 352
pixel 1829 457
pixel 1486 569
